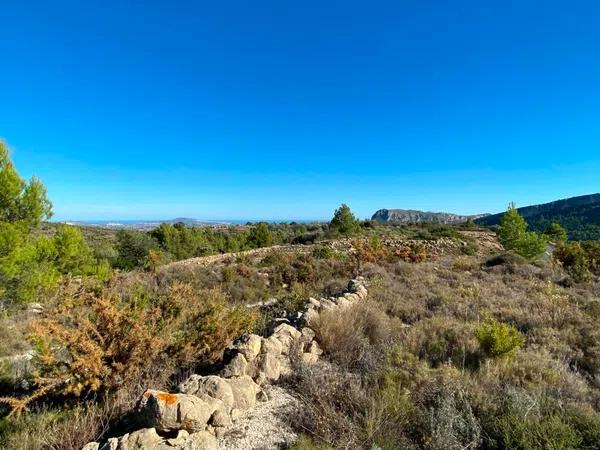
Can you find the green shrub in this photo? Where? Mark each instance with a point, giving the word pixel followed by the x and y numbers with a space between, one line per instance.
pixel 574 260
pixel 322 252
pixel 508 259
pixel 532 432
pixel 133 248
pixel 587 424
pixel 592 250
pixel 228 274
pixel 498 340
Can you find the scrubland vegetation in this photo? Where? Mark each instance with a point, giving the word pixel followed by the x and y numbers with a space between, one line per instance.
pixel 466 347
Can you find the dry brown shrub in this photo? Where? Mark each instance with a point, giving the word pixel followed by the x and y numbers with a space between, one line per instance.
pixel 99 344
pixel 335 403
pixel 352 337
pixel 439 340
pixel 411 253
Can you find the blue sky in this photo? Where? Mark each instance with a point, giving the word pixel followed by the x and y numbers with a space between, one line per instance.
pixel 285 109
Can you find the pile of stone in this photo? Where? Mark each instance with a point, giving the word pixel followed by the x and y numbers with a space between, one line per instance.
pixel 204 407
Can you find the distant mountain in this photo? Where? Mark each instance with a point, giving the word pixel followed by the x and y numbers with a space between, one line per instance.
pixel 413 216
pixel 579 215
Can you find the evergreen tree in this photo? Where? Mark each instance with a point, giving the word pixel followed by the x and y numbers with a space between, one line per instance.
pixel 260 236
pixel 513 235
pixel 21 201
pixel 30 264
pixel 556 232
pixel 344 220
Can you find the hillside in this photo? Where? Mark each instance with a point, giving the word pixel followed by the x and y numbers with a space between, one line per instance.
pixel 579 215
pixel 414 216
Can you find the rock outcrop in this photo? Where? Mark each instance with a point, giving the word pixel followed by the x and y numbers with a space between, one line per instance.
pixel 414 216
pixel 205 407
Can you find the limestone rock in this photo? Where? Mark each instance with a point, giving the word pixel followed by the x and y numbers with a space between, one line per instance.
pixel 237 367
pixel 140 440
pixel 315 349
pixel 171 412
pixel 91 446
pixel 249 346
pixel 327 304
pixel 148 439
pixel 271 346
pixel 314 302
pixel 309 359
pixel 352 297
pixel 343 302
pixel 286 334
pixel 311 314
pixel 200 441
pixel 270 366
pixel 307 334
pixel 112 444
pixel 362 292
pixel 244 393
pixel 212 386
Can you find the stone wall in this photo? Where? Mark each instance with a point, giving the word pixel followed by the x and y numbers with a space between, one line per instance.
pixel 205 407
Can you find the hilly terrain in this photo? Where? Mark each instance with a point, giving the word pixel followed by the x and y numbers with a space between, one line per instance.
pixel 414 216
pixel 579 215
pixel 320 336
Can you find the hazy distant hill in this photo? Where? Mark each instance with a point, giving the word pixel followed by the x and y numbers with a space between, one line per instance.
pixel 579 215
pixel 413 216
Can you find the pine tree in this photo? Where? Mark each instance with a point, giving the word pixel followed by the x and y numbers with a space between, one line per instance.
pixel 513 235
pixel 344 221
pixel 556 232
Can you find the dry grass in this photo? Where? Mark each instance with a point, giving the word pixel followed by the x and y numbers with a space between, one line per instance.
pixel 438 387
pixel 349 336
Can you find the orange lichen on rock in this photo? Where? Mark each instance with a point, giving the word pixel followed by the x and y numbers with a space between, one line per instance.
pixel 164 397
pixel 167 399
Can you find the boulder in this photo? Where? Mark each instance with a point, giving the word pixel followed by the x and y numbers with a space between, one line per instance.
pixel 271 346
pixel 314 348
pixel 211 386
pixel 270 366
pixel 307 335
pixel 309 359
pixel 244 393
pixel 172 412
pixel 311 314
pixel 112 444
pixel 312 353
pixel 249 346
pixel 237 367
pixel 327 304
pixel 351 297
pixel 141 440
pixel 148 439
pixel 91 446
pixel 362 292
pixel 200 441
pixel 343 302
pixel 314 302
pixel 286 334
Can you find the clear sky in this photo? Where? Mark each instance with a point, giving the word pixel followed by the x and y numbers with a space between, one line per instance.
pixel 285 109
